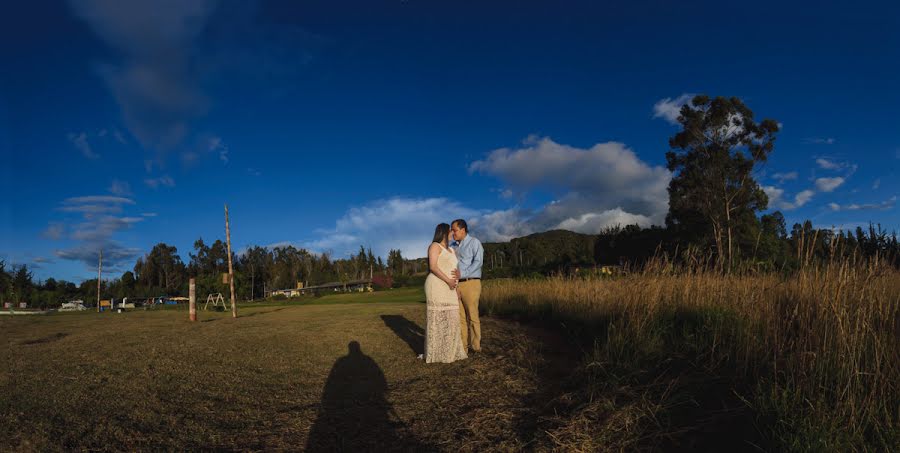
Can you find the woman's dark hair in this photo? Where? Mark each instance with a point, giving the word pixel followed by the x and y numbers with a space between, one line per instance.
pixel 440 232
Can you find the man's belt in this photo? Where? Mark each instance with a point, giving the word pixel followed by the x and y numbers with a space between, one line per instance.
pixel 467 279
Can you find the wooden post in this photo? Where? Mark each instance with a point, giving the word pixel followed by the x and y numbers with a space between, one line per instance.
pixel 99 274
pixel 230 266
pixel 193 297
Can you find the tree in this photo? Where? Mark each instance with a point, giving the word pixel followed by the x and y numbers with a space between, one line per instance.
pixel 5 282
pixel 161 269
pixel 22 284
pixel 713 196
pixel 395 262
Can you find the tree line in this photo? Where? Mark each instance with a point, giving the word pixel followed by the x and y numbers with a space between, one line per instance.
pixel 257 270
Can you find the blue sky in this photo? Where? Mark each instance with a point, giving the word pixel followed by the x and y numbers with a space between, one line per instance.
pixel 330 125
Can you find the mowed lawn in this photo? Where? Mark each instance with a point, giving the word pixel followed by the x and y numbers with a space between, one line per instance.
pixel 278 377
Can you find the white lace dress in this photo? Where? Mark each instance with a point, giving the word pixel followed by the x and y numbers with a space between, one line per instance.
pixel 443 339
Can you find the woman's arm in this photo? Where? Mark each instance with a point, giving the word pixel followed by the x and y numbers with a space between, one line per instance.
pixel 434 251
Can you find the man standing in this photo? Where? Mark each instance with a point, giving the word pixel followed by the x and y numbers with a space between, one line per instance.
pixel 471 257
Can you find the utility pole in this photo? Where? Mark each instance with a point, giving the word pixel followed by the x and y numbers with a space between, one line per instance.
pixel 99 274
pixel 230 266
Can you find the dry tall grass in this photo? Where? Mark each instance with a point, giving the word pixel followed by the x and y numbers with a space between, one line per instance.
pixel 679 356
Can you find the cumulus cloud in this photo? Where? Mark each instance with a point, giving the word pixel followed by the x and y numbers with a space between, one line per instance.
pixel 774 194
pixel 829 164
pixel 80 141
pixel 777 201
pixel 828 184
pixel 601 186
pixel 669 109
pixel 803 197
pixel 782 177
pixel 604 177
pixel 406 224
pixel 883 206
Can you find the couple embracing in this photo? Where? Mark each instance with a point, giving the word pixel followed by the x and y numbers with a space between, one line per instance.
pixel 452 290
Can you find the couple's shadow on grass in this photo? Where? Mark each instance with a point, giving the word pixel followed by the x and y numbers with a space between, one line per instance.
pixel 355 414
pixel 408 331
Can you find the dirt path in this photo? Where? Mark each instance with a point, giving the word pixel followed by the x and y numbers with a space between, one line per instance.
pixel 330 377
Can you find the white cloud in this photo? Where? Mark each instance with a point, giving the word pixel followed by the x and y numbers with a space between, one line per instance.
pixel 803 197
pixel 828 184
pixel 669 109
pixel 884 205
pixel 80 141
pixel 828 164
pixel 120 188
pixel 95 204
pixel 776 201
pixel 406 224
pixel 594 180
pixel 876 184
pixel 782 177
pixel 100 220
pixel 774 194
pixel 819 140
pixel 595 222
pixel 164 181
pixel 601 186
pixel 216 144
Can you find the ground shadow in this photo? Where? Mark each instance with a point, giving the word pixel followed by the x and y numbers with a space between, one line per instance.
pixel 354 414
pixel 408 331
pixel 262 312
pixel 47 339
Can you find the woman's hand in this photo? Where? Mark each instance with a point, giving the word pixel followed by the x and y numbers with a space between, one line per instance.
pixel 452 284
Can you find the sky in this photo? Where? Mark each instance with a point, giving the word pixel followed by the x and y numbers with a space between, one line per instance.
pixel 334 124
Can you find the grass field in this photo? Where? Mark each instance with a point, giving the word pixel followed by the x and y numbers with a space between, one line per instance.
pixel 691 359
pixel 281 376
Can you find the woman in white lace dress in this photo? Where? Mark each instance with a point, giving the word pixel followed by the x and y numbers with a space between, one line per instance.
pixel 443 339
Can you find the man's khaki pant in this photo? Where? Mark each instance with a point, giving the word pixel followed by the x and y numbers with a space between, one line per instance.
pixel 470 326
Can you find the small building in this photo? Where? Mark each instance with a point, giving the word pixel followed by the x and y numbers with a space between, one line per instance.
pixel 73 305
pixel 350 286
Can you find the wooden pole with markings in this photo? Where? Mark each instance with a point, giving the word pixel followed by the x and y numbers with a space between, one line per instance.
pixel 99 274
pixel 230 265
pixel 192 294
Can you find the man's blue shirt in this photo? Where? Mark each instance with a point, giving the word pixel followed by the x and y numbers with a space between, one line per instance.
pixel 471 257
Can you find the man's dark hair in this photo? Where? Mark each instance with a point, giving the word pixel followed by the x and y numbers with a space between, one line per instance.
pixel 440 232
pixel 461 223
